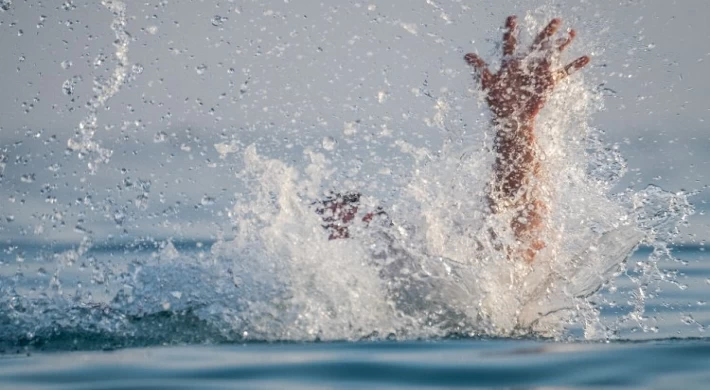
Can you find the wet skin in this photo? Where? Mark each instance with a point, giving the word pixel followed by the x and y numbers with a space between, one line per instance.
pixel 515 94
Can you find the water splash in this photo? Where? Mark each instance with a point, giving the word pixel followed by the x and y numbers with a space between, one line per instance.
pixel 432 269
pixel 438 269
pixel 83 141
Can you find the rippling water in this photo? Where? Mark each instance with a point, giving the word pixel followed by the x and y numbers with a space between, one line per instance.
pixel 659 364
pixel 175 348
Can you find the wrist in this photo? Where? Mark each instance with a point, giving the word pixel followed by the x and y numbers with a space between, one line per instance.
pixel 514 121
pixel 514 128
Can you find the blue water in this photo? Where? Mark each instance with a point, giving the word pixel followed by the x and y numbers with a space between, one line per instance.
pixel 660 364
pixel 96 347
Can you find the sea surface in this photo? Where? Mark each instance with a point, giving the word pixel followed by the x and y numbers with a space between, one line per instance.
pixel 164 354
pixel 484 363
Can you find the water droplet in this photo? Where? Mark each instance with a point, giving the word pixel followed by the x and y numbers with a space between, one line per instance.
pixel 349 128
pixel 160 136
pixel 218 20
pixel 68 5
pixel 329 143
pixel 687 319
pixel 137 68
pixel 27 178
pixel 381 96
pixel 201 69
pixel 141 202
pixel 69 85
pixel 68 88
pixel 5 5
pixel 119 217
pixel 99 60
pixel 66 64
pixel 207 200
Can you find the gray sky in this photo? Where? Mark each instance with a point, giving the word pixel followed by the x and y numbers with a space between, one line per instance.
pixel 290 73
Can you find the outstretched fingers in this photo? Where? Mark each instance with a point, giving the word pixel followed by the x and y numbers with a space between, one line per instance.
pixel 572 67
pixel 480 66
pixel 577 64
pixel 547 32
pixel 510 38
pixel 567 41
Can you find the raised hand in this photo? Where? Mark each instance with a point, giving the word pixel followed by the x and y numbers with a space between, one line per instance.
pixel 516 94
pixel 526 78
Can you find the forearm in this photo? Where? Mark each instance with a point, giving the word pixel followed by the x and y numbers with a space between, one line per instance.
pixel 516 162
pixel 516 182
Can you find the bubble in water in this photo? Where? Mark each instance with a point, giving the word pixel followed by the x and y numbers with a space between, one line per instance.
pixel 66 64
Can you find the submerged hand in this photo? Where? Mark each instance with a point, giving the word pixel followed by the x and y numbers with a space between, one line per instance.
pixel 525 79
pixel 338 212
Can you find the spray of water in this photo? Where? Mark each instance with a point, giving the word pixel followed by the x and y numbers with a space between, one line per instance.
pixel 432 265
pixel 440 267
pixel 83 141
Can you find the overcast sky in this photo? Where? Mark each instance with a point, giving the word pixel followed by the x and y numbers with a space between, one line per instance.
pixel 292 72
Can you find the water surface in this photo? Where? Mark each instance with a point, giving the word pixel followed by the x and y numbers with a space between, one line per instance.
pixel 486 363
